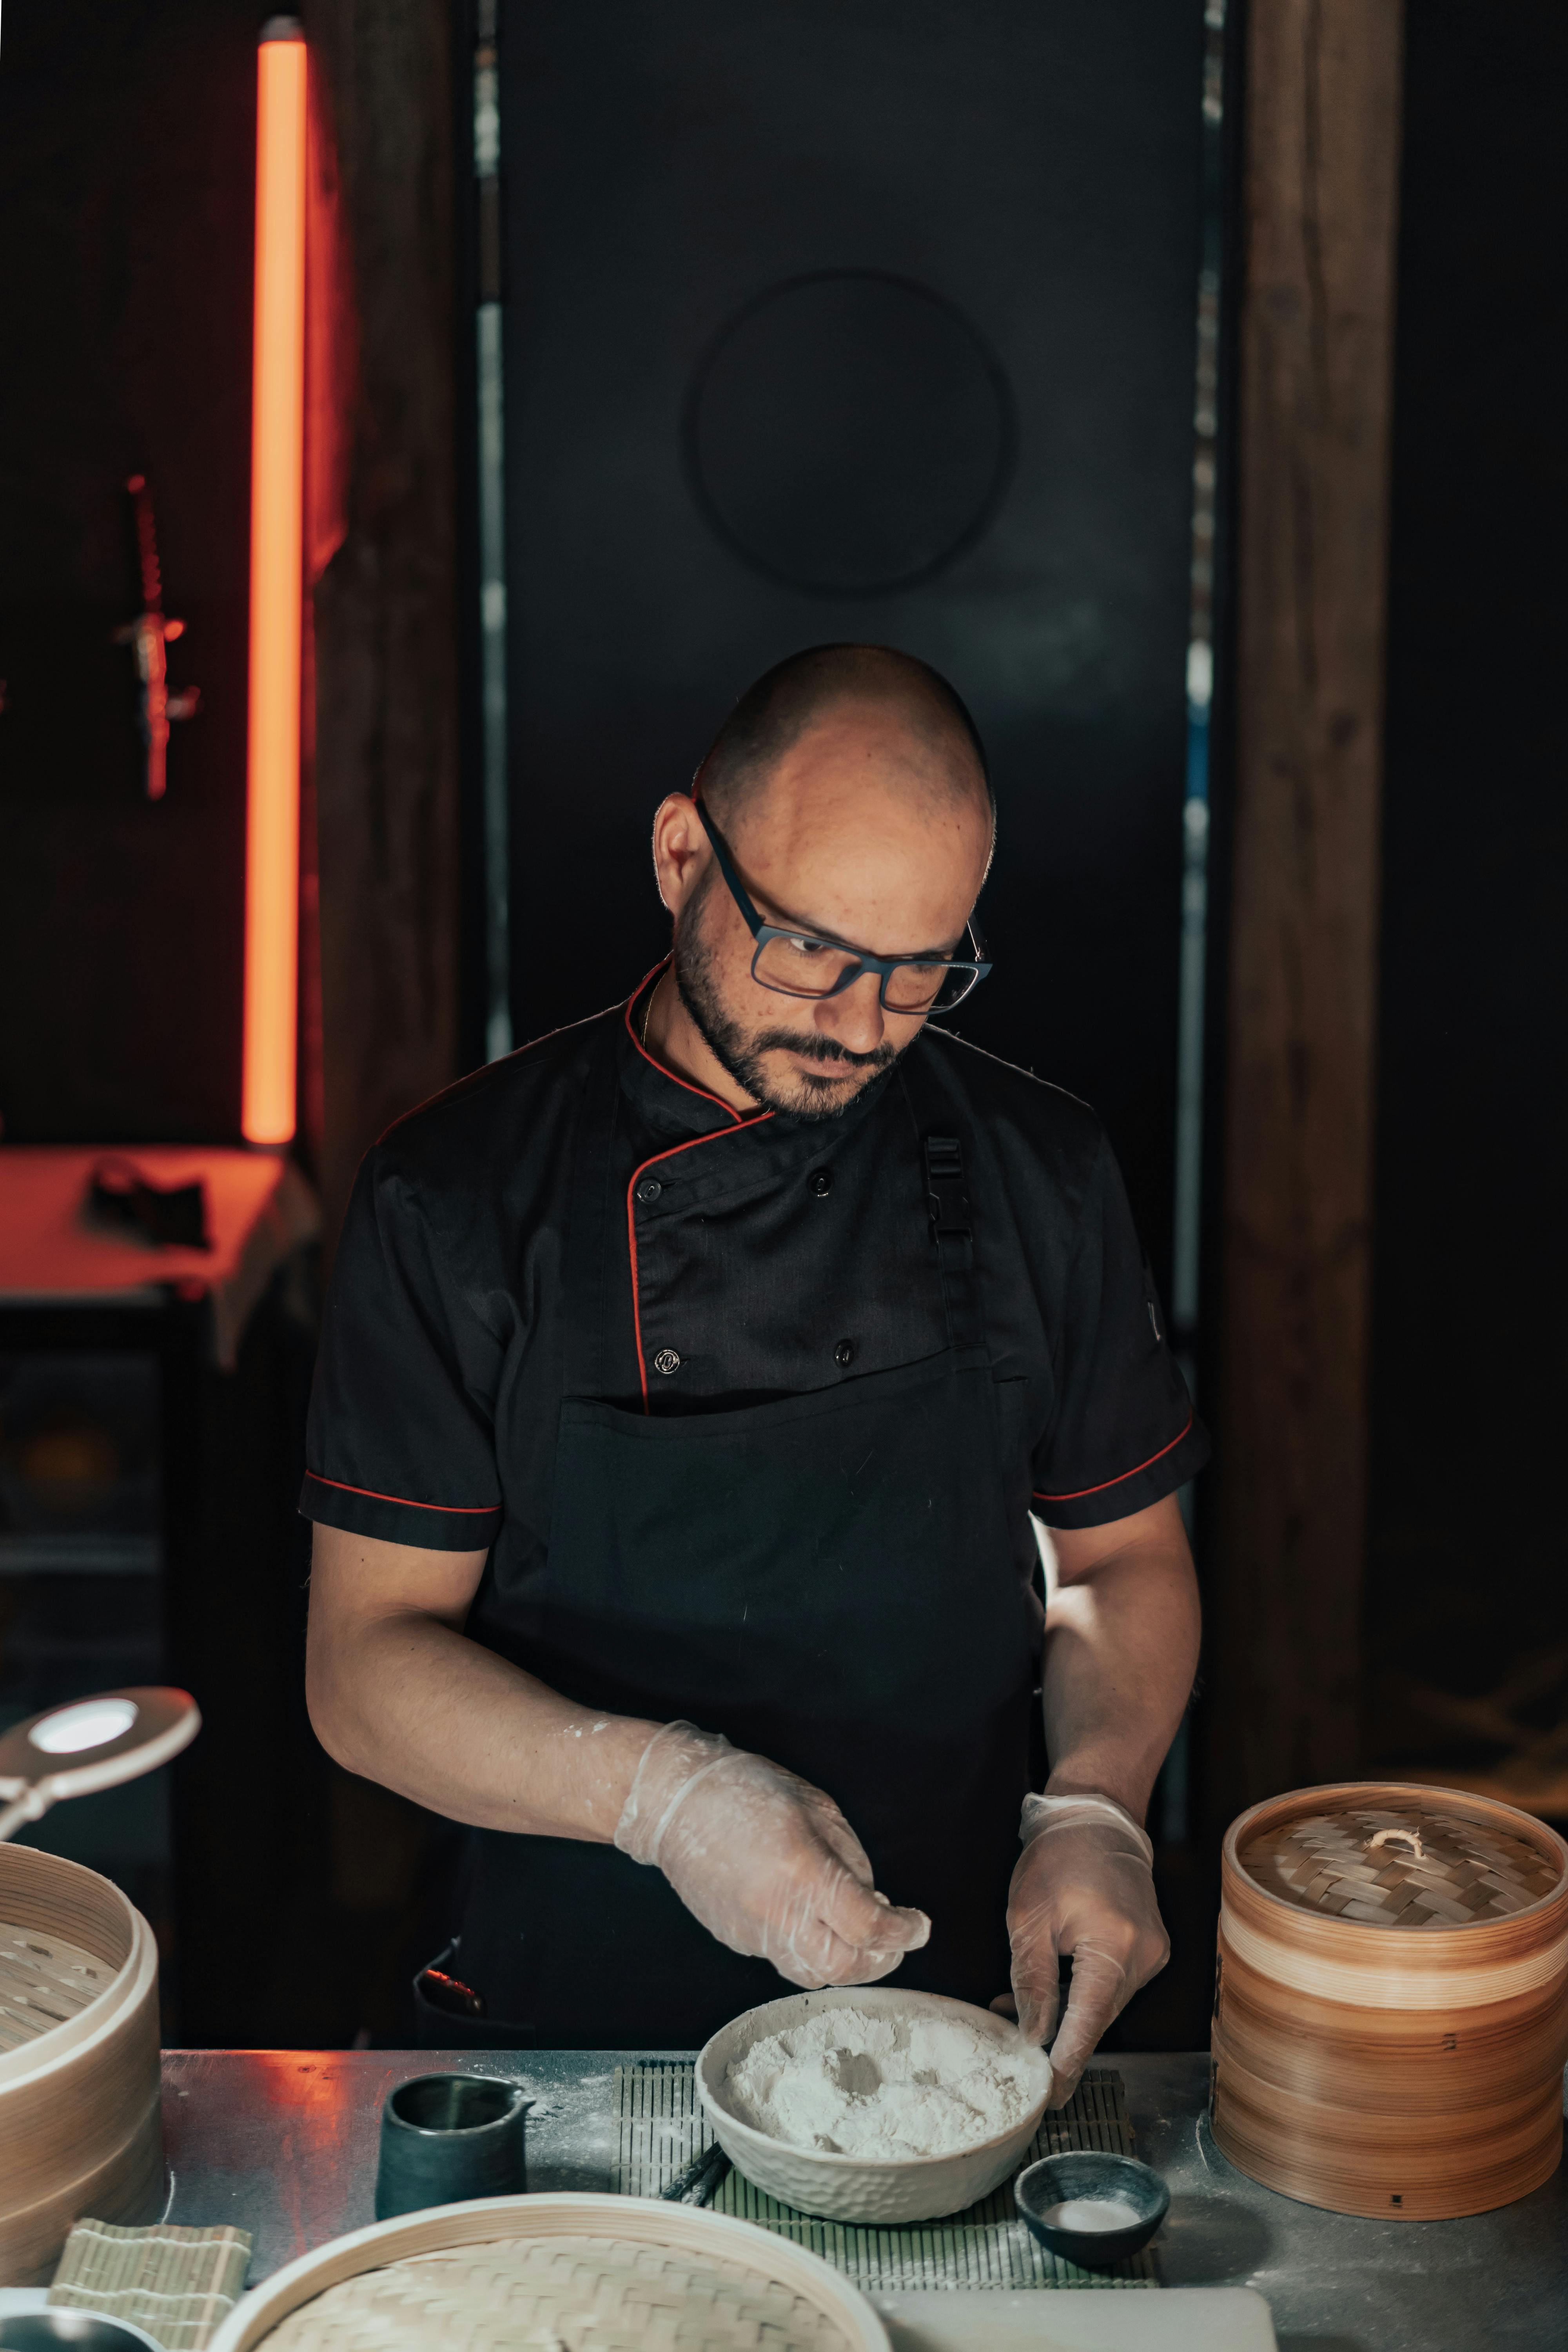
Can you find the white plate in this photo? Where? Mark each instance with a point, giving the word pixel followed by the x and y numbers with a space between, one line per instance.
pixel 1079 2319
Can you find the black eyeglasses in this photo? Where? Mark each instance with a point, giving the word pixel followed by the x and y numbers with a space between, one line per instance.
pixel 796 963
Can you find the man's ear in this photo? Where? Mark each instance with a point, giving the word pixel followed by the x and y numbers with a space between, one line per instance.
pixel 681 849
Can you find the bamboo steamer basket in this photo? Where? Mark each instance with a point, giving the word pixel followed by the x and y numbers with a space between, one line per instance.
pixel 1391 2000
pixel 397 2288
pixel 81 2128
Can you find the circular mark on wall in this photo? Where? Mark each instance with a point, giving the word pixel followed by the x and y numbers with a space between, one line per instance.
pixel 848 433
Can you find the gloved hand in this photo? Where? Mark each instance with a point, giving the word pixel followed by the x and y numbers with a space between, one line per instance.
pixel 1084 1884
pixel 766 1862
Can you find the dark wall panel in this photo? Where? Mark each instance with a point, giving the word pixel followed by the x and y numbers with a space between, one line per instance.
pixel 127 145
pixel 1470 1366
pixel 989 381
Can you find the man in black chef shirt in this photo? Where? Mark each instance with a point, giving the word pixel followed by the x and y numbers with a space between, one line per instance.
pixel 687 1381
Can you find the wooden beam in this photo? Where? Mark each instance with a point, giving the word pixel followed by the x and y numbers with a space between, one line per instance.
pixel 1320 175
pixel 385 608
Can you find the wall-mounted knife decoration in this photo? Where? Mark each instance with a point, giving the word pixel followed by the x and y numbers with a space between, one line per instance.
pixel 148 635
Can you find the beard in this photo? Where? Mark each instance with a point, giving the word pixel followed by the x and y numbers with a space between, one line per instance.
pixel 741 1052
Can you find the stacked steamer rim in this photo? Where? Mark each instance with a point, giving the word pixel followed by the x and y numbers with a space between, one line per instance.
pixel 1390 2007
pixel 81 2131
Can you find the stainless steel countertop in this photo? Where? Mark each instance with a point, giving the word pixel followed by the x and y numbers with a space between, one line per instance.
pixel 283 2142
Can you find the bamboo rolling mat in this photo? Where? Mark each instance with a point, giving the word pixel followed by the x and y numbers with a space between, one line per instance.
pixel 178 2284
pixel 660 2127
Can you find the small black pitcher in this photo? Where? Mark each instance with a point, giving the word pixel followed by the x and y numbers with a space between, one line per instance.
pixel 449 2137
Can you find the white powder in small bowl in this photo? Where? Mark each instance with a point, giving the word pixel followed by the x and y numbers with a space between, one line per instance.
pixel 1086 2213
pixel 850 2084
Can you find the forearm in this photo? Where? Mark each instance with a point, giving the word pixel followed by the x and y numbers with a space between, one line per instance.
pixel 1121 1650
pixel 399 1697
pixel 398 1694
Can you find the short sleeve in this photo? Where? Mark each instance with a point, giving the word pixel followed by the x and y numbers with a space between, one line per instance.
pixel 400 1438
pixel 1123 1433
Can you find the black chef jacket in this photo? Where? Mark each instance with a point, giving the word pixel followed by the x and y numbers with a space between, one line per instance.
pixel 761 1257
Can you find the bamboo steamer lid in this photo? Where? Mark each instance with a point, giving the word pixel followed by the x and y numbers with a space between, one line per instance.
pixel 584 2273
pixel 1391 2003
pixel 80 2129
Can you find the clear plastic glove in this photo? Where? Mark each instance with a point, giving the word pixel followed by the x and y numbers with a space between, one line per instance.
pixel 766 1862
pixel 1084 1885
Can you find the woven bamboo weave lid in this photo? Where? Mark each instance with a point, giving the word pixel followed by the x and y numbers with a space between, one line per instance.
pixel 1406 1865
pixel 565 2294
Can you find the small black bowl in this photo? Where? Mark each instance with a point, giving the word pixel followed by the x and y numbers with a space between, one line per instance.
pixel 1087 2173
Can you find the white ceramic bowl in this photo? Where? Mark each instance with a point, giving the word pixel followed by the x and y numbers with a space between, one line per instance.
pixel 856 2187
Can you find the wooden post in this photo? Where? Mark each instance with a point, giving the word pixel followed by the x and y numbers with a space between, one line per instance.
pixel 385 608
pixel 1322 145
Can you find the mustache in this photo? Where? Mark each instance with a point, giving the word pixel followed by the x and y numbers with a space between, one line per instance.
pixel 814 1047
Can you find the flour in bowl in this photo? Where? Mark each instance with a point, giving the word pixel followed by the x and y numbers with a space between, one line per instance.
pixel 851 2084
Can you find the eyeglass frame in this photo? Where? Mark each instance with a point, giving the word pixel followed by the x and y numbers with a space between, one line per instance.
pixel 884 967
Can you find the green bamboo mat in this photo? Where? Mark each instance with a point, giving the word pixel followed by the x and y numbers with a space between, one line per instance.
pixel 659 2127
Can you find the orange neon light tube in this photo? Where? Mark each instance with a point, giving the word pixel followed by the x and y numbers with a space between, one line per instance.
pixel 277 514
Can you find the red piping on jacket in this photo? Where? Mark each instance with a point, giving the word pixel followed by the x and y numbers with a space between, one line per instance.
pixel 461 1511
pixel 737 1124
pixel 742 1126
pixel 1080 1492
pixel 660 969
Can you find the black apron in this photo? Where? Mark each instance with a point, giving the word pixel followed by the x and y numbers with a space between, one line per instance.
pixel 831 1580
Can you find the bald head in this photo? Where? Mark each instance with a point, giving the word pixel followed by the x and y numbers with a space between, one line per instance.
pixel 850 787
pixel 935 751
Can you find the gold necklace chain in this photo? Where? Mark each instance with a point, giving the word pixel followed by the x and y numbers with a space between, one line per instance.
pixel 647 1016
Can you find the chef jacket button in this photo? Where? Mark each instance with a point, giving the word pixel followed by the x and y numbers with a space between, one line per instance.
pixel 667 1361
pixel 822 1184
pixel 649 1192
pixel 845 1352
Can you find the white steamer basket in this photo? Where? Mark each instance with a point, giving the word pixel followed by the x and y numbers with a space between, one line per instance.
pixel 675 2229
pixel 858 2188
pixel 81 2128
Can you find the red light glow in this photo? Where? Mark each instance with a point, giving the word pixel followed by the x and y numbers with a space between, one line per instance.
pixel 277 509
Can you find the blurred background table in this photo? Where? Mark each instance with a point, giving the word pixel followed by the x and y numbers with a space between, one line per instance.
pixel 152 1419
